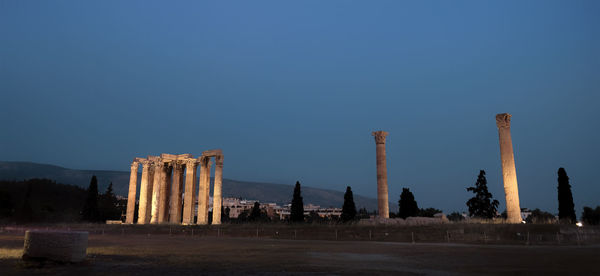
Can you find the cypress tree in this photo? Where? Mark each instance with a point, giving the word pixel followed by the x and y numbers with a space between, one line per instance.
pixel 407 205
pixel 255 213
pixel 225 214
pixel 90 207
pixel 107 205
pixel 591 216
pixel 297 208
pixel 566 207
pixel 349 208
pixel 109 191
pixel 482 205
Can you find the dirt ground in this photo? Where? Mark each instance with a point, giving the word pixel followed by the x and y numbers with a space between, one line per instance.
pixel 179 255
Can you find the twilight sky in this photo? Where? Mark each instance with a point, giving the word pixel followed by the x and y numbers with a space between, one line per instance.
pixel 292 90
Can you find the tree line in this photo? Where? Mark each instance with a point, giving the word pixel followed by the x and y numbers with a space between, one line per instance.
pixel 45 201
pixel 482 205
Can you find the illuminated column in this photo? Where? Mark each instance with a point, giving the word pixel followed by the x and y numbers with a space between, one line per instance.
pixel 190 192
pixel 382 186
pixel 145 192
pixel 217 194
pixel 163 199
pixel 176 199
pixel 509 173
pixel 132 192
pixel 158 172
pixel 204 190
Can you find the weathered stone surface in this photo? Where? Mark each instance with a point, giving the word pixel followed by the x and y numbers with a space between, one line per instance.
pixel 190 192
pixel 204 190
pixel 509 172
pixel 165 193
pixel 217 194
pixel 60 246
pixel 162 185
pixel 382 186
pixel 132 192
pixel 145 192
pixel 215 152
pixel 156 189
pixel 176 193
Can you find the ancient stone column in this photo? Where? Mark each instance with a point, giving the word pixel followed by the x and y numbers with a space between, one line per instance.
pixel 382 186
pixel 190 192
pixel 163 198
pixel 177 189
pixel 132 192
pixel 145 193
pixel 158 172
pixel 204 190
pixel 217 194
pixel 151 191
pixel 509 173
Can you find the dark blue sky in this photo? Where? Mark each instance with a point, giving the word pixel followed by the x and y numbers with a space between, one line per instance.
pixel 291 91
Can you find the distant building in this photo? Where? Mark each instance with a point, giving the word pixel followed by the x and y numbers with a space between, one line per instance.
pixel 330 213
pixel 525 212
pixel 237 206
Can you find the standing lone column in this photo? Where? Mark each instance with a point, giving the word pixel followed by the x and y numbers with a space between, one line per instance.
pixel 382 186
pixel 132 192
pixel 509 173
pixel 145 193
pixel 190 192
pixel 158 172
pixel 176 198
pixel 217 194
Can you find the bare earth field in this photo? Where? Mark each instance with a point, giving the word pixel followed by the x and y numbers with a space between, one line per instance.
pixel 142 254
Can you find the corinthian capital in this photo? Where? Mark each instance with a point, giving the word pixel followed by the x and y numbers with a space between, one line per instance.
pixel 190 163
pixel 503 120
pixel 379 136
pixel 146 163
pixel 219 160
pixel 135 165
pixel 177 165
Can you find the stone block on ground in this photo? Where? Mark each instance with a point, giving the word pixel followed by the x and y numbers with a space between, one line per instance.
pixel 59 246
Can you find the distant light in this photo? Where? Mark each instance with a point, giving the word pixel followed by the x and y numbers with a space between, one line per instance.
pixel 579 224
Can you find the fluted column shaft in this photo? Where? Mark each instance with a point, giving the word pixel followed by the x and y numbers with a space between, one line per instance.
pixel 176 199
pixel 217 194
pixel 204 191
pixel 509 172
pixel 163 199
pixel 382 186
pixel 145 193
pixel 156 189
pixel 132 192
pixel 190 192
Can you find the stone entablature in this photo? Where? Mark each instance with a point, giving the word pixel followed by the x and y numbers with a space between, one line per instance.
pixel 165 190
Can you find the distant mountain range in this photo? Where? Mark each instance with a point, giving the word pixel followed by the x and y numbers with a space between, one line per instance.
pixel 264 192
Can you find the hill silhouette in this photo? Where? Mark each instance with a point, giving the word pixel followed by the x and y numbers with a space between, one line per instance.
pixel 264 192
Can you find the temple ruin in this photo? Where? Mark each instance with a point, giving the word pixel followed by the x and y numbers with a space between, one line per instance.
pixel 163 196
pixel 509 173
